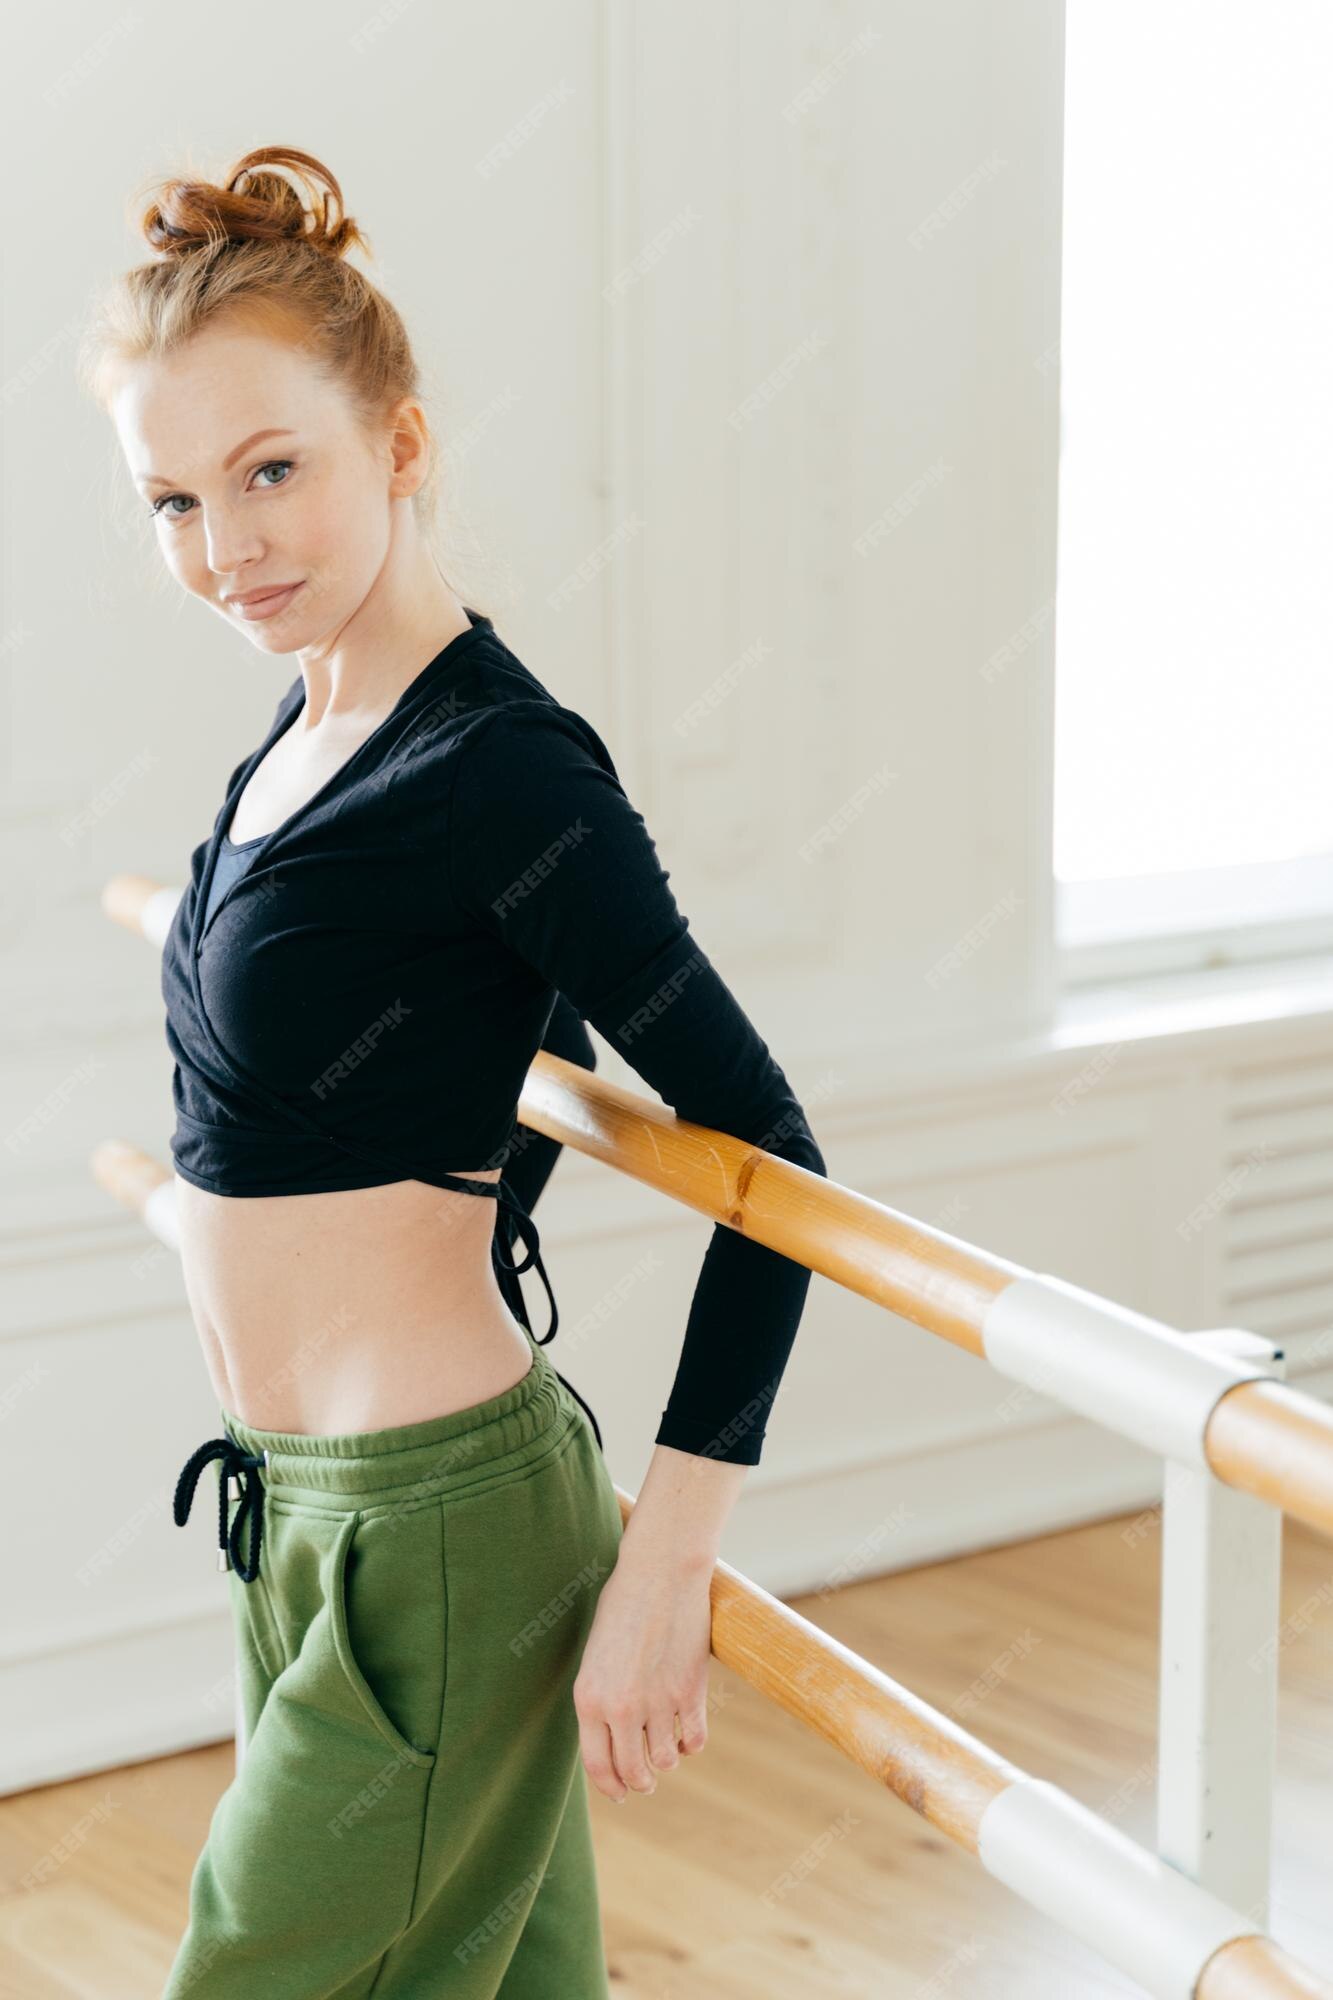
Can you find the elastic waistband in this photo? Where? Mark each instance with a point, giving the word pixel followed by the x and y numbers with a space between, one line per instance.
pixel 432 1456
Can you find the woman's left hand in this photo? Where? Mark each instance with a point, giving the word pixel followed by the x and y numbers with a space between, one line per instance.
pixel 645 1663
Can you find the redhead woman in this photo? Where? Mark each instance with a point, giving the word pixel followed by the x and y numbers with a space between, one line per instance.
pixel 425 872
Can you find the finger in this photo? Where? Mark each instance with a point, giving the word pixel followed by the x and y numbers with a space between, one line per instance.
pixel 692 1736
pixel 631 1760
pixel 598 1761
pixel 661 1734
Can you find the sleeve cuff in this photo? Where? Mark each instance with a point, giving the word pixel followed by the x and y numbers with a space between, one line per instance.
pixel 736 1443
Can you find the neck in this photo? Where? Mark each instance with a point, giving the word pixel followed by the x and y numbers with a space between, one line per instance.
pixel 355 675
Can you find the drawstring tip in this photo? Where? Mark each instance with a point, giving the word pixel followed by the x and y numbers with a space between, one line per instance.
pixel 224 1560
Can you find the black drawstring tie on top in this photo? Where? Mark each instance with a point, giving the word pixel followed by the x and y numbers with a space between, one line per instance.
pixel 238 1478
pixel 523 1225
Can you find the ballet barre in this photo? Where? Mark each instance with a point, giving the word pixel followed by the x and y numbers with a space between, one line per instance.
pixel 1240 1449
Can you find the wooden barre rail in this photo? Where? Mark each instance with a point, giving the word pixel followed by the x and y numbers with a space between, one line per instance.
pixel 1258 1435
pixel 1262 1437
pixel 1064 1859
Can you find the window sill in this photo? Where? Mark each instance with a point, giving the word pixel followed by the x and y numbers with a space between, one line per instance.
pixel 1151 1021
pixel 1218 1000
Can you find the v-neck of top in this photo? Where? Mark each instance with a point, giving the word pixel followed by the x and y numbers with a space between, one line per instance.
pixel 241 846
pixel 449 654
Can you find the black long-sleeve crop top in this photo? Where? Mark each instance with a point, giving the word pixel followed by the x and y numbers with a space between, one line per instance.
pixel 355 997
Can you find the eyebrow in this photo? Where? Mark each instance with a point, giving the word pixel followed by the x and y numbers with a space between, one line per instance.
pixel 152 478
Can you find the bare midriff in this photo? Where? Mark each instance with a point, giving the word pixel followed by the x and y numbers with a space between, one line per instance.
pixel 356 1310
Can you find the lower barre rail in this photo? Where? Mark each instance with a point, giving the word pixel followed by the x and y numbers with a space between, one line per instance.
pixel 1175 1938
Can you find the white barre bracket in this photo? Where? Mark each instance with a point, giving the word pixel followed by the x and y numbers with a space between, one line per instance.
pixel 1092 1879
pixel 1127 1372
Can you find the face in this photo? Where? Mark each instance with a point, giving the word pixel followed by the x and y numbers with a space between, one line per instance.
pixel 258 473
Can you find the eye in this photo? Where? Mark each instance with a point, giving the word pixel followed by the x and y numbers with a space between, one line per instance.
pixel 164 506
pixel 160 506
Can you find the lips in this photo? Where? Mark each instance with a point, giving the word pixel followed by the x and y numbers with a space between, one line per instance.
pixel 264 604
pixel 243 597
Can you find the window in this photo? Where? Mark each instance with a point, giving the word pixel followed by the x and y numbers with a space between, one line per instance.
pixel 1194 608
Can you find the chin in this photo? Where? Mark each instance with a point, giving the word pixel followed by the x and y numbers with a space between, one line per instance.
pixel 274 642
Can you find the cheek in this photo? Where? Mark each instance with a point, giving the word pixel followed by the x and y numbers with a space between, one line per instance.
pixel 341 539
pixel 182 556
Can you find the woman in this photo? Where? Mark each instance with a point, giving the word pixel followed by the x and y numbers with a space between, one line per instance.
pixel 425 872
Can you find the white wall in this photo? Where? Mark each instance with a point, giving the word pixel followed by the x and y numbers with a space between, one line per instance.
pixel 831 238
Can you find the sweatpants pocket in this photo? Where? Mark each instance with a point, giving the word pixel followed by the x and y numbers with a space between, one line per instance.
pixel 386 1614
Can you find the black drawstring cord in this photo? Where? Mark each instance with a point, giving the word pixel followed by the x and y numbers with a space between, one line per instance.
pixel 587 1406
pixel 524 1226
pixel 240 1466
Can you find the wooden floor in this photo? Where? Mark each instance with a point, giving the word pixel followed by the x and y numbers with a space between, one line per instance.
pixel 692 1878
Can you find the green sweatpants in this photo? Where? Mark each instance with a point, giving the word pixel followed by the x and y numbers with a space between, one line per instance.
pixel 410 1814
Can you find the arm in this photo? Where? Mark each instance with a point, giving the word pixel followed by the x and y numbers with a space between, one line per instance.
pixel 684 1497
pixel 547 852
pixel 567 1037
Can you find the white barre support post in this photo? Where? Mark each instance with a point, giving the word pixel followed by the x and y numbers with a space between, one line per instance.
pixel 1217 1700
pixel 1221 1560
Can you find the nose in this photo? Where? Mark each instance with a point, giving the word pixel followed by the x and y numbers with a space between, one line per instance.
pixel 229 548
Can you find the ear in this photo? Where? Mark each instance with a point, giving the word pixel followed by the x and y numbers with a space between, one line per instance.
pixel 410 449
